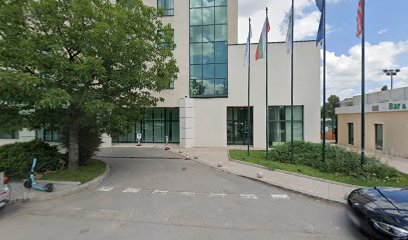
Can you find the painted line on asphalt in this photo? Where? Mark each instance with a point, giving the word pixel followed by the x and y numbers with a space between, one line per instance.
pixel 131 190
pixel 280 196
pixel 188 194
pixel 217 195
pixel 105 189
pixel 248 196
pixel 159 192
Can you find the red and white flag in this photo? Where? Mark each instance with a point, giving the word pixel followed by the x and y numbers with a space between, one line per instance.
pixel 360 19
pixel 262 45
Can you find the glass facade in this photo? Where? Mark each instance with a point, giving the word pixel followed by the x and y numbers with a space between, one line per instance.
pixel 208 48
pixel 167 6
pixel 280 124
pixel 379 136
pixel 9 135
pixel 350 133
pixel 48 135
pixel 158 123
pixel 237 126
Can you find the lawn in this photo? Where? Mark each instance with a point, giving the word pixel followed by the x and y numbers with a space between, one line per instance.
pixel 83 174
pixel 258 157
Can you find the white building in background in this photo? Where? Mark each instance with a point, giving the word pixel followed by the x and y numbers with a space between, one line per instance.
pixel 207 105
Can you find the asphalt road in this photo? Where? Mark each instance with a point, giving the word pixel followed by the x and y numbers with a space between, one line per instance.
pixel 151 194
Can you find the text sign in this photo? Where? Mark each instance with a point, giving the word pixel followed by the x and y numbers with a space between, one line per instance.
pixel 397 106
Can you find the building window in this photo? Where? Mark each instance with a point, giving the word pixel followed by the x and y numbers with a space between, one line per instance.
pixel 208 48
pixel 9 135
pixel 158 123
pixel 350 133
pixel 280 124
pixel 167 6
pixel 48 135
pixel 378 136
pixel 237 126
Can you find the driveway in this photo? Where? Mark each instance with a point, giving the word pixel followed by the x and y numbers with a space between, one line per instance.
pixel 153 194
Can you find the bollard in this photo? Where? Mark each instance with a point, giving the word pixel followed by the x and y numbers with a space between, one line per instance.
pixel 260 174
pixel 167 143
pixel 219 164
pixel 187 157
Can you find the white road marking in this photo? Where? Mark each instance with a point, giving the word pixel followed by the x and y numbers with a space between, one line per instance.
pixel 217 195
pixel 279 196
pixel 131 190
pixel 188 194
pixel 160 192
pixel 105 189
pixel 248 196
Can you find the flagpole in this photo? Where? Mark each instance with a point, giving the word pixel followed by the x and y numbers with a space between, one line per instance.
pixel 266 89
pixel 363 86
pixel 324 81
pixel 291 83
pixel 249 86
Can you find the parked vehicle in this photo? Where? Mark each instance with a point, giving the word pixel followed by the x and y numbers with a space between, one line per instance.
pixel 4 190
pixel 380 212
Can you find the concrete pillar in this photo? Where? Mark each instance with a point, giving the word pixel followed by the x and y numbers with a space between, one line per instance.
pixel 26 135
pixel 187 126
pixel 106 141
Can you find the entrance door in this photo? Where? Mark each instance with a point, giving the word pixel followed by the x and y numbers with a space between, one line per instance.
pixel 237 126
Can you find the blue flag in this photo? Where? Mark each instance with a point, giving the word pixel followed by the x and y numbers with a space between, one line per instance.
pixel 320 33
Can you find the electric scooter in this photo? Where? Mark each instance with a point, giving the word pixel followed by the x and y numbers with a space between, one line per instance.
pixel 31 183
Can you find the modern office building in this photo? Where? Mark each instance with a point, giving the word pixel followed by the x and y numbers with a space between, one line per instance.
pixel 386 122
pixel 207 105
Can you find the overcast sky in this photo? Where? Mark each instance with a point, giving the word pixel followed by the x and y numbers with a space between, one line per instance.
pixel 386 38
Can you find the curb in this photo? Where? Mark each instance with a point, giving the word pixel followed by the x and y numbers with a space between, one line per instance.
pixel 295 174
pixel 294 190
pixel 81 187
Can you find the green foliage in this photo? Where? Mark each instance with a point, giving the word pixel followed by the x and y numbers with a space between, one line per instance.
pixel 339 161
pixel 332 103
pixel 86 61
pixel 89 142
pixel 17 158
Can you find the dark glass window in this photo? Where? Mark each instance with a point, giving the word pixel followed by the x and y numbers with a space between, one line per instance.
pixel 208 48
pixel 379 136
pixel 280 124
pixel 167 5
pixel 350 133
pixel 237 126
pixel 52 134
pixel 9 135
pixel 158 123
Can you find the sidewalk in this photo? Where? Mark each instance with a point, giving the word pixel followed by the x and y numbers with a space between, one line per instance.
pixel 323 189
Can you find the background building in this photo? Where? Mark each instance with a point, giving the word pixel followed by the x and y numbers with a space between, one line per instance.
pixel 386 122
pixel 206 106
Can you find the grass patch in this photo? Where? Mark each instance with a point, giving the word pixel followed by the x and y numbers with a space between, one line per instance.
pixel 92 169
pixel 258 157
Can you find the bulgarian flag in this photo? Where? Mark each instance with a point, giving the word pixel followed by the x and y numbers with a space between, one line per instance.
pixel 261 50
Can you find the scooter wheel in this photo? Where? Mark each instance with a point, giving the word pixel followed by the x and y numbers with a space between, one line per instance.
pixel 27 184
pixel 49 187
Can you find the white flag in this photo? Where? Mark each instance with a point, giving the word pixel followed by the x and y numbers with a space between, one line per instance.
pixel 289 36
pixel 248 45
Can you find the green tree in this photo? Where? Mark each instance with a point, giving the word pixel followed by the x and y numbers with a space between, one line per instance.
pixel 81 63
pixel 332 103
pixel 384 88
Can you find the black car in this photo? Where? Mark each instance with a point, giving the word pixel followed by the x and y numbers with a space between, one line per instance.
pixel 380 212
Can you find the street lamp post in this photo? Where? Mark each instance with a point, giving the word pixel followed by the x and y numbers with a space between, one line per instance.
pixel 391 73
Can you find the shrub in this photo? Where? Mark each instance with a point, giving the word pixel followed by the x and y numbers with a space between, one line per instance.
pixel 89 142
pixel 17 158
pixel 338 160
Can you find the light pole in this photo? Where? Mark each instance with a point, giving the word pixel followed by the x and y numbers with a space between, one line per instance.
pixel 392 73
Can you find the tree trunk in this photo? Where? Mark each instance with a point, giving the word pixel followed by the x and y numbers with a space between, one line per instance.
pixel 73 151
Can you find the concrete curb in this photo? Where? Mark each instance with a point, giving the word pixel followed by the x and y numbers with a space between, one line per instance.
pixel 281 186
pixel 78 188
pixel 295 174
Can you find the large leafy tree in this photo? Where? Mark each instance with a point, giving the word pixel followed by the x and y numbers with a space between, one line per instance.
pixel 81 63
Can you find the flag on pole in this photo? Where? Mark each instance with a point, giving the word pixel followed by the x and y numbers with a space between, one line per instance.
pixel 360 19
pixel 289 37
pixel 320 33
pixel 261 50
pixel 248 45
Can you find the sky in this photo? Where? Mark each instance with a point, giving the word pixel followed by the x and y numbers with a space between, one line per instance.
pixel 386 38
